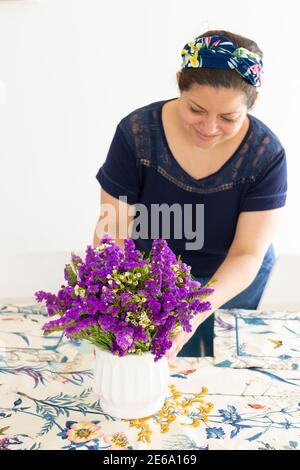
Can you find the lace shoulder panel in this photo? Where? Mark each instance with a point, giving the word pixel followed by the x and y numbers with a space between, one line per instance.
pixel 142 129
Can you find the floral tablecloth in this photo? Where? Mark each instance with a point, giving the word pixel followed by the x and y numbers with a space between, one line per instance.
pixel 250 338
pixel 47 402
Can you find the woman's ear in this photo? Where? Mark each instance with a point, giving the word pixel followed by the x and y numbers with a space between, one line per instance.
pixel 254 103
pixel 178 76
pixel 256 100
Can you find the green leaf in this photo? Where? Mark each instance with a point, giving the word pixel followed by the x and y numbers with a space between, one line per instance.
pixel 76 261
pixel 72 277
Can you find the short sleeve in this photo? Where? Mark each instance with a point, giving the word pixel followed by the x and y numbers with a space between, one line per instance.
pixel 119 175
pixel 270 189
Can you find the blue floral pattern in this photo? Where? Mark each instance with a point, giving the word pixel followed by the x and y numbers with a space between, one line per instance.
pixel 251 338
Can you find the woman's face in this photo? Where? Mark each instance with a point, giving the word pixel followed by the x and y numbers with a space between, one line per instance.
pixel 210 116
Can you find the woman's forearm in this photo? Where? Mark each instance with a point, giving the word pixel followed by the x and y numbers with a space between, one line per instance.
pixel 234 275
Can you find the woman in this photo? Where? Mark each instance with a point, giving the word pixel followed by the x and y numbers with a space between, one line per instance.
pixel 205 152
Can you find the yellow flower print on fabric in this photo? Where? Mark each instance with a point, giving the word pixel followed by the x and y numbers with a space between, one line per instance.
pixel 244 53
pixel 193 407
pixel 194 60
pixel 119 441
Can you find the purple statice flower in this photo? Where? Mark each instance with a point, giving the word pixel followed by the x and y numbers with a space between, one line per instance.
pixel 133 257
pixel 161 343
pixel 52 302
pixel 120 300
pixel 81 325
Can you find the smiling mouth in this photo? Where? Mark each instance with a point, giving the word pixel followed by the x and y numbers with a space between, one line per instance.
pixel 204 136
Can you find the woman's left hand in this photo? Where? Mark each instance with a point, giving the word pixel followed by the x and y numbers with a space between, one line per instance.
pixel 182 338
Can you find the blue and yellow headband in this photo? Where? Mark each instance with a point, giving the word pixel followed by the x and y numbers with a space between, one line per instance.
pixel 220 53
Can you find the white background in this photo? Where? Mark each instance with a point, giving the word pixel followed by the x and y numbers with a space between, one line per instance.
pixel 71 69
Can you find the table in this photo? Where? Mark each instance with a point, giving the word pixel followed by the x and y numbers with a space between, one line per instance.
pixel 47 399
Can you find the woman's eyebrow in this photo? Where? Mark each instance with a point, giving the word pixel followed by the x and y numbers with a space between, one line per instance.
pixel 223 114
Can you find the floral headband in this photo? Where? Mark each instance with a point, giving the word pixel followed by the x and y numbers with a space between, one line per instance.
pixel 220 53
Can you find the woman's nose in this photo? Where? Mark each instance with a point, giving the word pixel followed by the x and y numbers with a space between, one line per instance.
pixel 209 126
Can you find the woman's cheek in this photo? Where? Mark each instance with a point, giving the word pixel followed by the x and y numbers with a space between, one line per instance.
pixel 230 130
pixel 189 118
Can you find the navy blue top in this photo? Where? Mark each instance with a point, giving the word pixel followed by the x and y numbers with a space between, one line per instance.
pixel 141 166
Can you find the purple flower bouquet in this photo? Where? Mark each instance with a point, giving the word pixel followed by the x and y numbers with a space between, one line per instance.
pixel 124 302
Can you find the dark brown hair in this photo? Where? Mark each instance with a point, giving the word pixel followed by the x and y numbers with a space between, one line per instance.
pixel 219 77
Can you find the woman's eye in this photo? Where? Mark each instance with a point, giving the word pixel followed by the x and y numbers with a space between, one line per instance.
pixel 228 120
pixel 201 112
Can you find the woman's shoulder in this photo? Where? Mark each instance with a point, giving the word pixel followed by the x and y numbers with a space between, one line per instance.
pixel 141 128
pixel 141 119
pixel 261 151
pixel 262 139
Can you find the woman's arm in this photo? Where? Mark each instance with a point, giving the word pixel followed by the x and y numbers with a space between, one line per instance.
pixel 254 234
pixel 115 219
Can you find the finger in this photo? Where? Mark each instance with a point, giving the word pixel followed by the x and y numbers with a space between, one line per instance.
pixel 171 364
pixel 175 342
pixel 170 351
pixel 177 349
pixel 171 357
pixel 174 352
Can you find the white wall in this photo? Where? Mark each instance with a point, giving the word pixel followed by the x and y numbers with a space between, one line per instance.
pixel 71 69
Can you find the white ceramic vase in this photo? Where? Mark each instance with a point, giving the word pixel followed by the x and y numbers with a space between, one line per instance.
pixel 130 387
